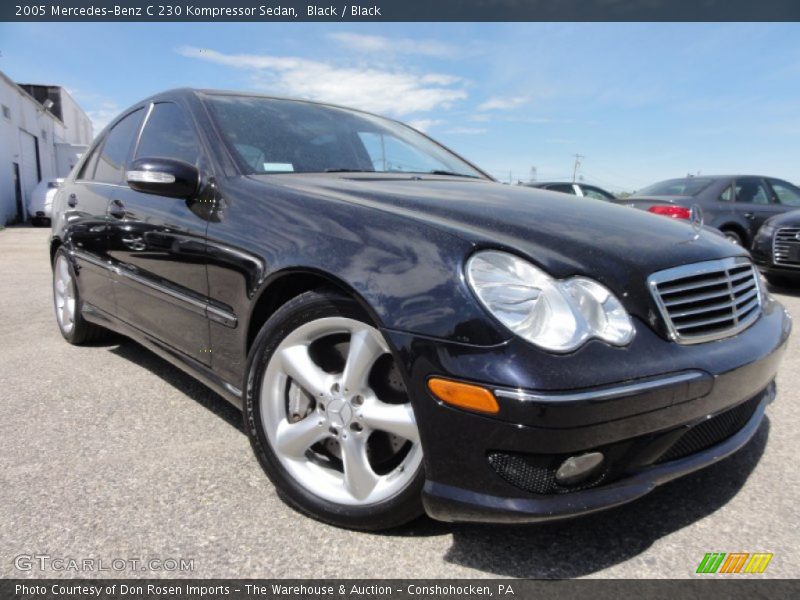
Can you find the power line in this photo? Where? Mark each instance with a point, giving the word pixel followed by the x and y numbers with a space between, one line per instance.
pixel 578 158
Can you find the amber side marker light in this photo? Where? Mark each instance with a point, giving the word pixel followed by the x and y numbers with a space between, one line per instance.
pixel 464 395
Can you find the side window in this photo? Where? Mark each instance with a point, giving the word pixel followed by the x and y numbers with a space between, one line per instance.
pixel 168 133
pixel 596 193
pixel 785 192
pixel 111 164
pixel 727 195
pixel 87 169
pixel 564 188
pixel 751 190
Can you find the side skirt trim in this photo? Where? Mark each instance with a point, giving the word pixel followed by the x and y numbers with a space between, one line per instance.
pixel 185 363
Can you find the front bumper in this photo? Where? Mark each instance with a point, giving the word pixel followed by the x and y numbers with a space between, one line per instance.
pixel 762 254
pixel 634 404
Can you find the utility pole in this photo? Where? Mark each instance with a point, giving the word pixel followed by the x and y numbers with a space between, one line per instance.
pixel 578 158
pixel 532 176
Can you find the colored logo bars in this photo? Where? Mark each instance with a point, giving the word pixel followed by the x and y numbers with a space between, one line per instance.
pixel 735 562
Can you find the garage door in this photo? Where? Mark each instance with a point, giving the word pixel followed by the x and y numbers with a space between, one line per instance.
pixel 29 171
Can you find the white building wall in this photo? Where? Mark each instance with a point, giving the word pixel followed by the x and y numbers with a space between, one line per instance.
pixel 27 116
pixel 77 125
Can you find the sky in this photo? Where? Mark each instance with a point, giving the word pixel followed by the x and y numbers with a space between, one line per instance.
pixel 640 102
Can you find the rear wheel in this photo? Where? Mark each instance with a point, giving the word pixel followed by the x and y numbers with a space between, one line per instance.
pixel 329 416
pixel 733 236
pixel 67 302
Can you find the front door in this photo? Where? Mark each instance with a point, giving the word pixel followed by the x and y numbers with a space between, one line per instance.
pixel 159 245
pixel 754 201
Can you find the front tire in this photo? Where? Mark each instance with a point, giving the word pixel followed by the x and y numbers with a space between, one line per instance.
pixel 733 236
pixel 329 417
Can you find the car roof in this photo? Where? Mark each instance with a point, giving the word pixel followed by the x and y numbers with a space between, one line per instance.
pixel 718 177
pixel 198 92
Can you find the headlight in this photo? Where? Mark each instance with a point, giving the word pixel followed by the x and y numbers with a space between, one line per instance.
pixel 557 315
pixel 766 230
pixel 763 290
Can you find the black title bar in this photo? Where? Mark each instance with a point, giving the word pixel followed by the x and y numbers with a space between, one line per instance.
pixel 400 10
pixel 702 588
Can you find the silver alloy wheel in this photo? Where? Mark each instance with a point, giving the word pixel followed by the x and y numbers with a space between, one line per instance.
pixel 341 412
pixel 733 238
pixel 64 294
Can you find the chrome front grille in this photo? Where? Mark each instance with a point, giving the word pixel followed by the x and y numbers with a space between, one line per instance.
pixel 785 245
pixel 708 300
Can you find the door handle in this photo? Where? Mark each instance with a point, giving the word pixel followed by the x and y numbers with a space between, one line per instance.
pixel 749 215
pixel 72 201
pixel 116 209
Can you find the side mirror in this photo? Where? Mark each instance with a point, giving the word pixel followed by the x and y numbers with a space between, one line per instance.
pixel 163 177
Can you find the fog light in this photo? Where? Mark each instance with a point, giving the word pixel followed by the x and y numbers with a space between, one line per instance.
pixel 579 468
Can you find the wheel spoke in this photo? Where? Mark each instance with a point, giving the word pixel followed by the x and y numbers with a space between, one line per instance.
pixel 359 478
pixel 69 308
pixel 293 439
pixel 63 270
pixel 392 418
pixel 298 365
pixel 365 348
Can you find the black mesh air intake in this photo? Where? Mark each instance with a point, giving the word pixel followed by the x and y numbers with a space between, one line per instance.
pixel 712 431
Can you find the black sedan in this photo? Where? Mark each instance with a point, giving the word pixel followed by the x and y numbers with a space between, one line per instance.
pixel 776 248
pixel 401 332
pixel 737 205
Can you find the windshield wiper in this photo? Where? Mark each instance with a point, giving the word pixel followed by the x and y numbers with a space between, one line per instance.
pixel 451 173
pixel 348 171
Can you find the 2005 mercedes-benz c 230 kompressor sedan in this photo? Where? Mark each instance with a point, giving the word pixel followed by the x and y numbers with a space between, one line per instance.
pixel 402 333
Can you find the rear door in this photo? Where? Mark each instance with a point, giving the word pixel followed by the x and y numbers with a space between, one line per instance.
pixel 754 201
pixel 159 244
pixel 88 224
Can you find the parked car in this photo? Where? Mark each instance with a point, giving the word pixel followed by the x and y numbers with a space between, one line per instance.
pixel 737 205
pixel 402 332
pixel 40 205
pixel 776 248
pixel 576 189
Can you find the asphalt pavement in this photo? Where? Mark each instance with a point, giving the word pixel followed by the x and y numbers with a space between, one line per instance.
pixel 109 453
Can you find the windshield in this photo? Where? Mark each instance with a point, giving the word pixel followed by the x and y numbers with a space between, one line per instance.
pixel 690 186
pixel 288 136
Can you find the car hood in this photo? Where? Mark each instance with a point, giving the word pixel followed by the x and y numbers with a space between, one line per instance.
pixel 564 234
pixel 787 219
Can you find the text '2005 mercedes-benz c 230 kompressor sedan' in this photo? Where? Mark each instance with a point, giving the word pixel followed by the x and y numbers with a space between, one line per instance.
pixel 402 333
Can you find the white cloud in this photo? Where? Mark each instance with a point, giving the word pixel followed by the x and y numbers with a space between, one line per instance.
pixel 393 92
pixel 424 124
pixel 467 130
pixel 499 103
pixel 102 115
pixel 380 45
